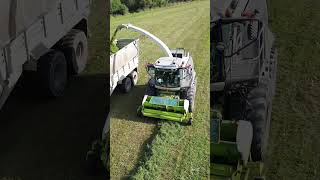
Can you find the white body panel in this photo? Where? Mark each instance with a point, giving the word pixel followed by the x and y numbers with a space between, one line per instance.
pixel 123 63
pixel 33 37
pixel 152 37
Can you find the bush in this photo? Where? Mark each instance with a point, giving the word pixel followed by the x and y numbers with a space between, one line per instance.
pixel 118 8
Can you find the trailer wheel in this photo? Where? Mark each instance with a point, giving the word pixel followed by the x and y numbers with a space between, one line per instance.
pixel 75 48
pixel 53 73
pixel 126 85
pixel 258 112
pixel 134 76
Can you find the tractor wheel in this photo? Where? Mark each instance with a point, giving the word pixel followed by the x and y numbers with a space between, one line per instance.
pixel 258 112
pixel 75 48
pixel 52 68
pixel 191 94
pixel 126 85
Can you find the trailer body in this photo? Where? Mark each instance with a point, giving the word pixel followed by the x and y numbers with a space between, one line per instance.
pixel 124 63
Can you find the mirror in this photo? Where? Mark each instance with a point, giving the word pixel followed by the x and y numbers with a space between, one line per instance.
pixel 150 69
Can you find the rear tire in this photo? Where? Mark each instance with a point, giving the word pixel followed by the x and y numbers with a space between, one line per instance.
pixel 134 76
pixel 258 112
pixel 75 48
pixel 273 67
pixel 191 94
pixel 126 85
pixel 52 68
pixel 189 122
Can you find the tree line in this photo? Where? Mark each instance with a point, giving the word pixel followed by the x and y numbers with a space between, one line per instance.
pixel 121 7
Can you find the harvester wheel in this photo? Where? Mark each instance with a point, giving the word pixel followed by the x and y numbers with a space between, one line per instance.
pixel 273 68
pixel 126 85
pixel 258 113
pixel 75 48
pixel 139 112
pixel 190 121
pixel 191 93
pixel 52 68
pixel 150 91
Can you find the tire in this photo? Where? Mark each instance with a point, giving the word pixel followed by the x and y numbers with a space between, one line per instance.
pixel 139 113
pixel 52 68
pixel 189 122
pixel 273 66
pixel 150 90
pixel 126 85
pixel 191 94
pixel 134 77
pixel 258 112
pixel 75 48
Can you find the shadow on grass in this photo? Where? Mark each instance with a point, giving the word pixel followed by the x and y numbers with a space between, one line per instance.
pixel 124 105
pixel 48 138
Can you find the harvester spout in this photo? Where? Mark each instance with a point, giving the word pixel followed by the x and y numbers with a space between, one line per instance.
pixel 152 37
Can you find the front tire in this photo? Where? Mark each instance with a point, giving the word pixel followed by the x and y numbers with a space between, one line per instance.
pixel 191 95
pixel 52 68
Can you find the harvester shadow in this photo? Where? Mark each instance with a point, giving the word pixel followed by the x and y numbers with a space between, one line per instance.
pixel 48 138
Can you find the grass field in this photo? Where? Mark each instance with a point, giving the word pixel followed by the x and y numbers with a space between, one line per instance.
pixel 295 130
pixel 152 149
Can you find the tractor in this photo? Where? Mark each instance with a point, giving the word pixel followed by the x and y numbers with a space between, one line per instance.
pixel 243 78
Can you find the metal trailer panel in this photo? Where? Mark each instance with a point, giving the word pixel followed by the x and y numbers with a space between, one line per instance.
pixel 123 62
pixel 30 29
pixel 17 15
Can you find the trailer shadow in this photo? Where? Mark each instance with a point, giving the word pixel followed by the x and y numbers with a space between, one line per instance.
pixel 47 138
pixel 124 105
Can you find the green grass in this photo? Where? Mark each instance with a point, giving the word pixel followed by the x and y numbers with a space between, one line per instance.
pixel 153 149
pixel 294 145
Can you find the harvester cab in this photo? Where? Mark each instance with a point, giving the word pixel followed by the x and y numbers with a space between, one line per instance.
pixel 170 92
